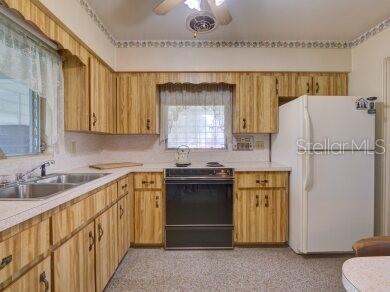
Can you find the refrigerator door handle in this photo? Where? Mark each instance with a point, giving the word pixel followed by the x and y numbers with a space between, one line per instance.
pixel 309 172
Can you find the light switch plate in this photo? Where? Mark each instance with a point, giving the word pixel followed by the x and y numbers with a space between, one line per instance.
pixel 259 145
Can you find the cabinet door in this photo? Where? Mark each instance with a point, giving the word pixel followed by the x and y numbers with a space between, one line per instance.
pixel 36 279
pixel 304 85
pixel 74 262
pixel 148 223
pixel 321 85
pixel 103 100
pixel 123 226
pixel 272 212
pixel 106 227
pixel 246 221
pixel 137 103
pixel 338 84
pixel 257 104
pixel 76 95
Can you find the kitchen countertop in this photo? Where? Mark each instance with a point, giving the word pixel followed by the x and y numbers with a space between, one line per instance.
pixel 367 274
pixel 17 211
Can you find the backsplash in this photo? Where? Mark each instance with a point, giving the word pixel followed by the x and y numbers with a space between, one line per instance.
pixel 148 149
pixel 87 148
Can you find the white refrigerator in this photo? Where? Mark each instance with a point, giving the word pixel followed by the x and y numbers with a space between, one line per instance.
pixel 331 199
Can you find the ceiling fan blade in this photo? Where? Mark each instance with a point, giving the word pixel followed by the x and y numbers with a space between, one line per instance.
pixel 220 12
pixel 166 6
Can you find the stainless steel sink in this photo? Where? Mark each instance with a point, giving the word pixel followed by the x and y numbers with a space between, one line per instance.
pixel 42 188
pixel 32 191
pixel 71 178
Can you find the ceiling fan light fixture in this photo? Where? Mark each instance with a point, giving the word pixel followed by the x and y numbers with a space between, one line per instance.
pixel 193 4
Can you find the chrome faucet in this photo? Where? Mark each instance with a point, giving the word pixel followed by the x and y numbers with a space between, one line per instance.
pixel 42 166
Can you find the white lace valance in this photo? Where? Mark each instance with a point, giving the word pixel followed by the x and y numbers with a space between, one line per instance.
pixel 31 62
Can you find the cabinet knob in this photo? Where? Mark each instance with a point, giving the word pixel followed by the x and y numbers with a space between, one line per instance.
pixel 44 281
pixel 317 87
pixel 157 199
pixel 148 124
pixel 307 87
pixel 5 261
pixel 100 232
pixel 244 123
pixel 257 201
pixel 124 186
pixel 91 240
pixel 121 212
pixel 267 201
pixel 94 119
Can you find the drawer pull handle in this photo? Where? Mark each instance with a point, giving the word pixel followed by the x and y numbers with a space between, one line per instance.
pixel 244 123
pixel 266 201
pixel 317 87
pixel 144 182
pixel 157 199
pixel 44 281
pixel 257 201
pixel 264 181
pixel 124 186
pixel 92 240
pixel 308 87
pixel 100 232
pixel 5 261
pixel 94 119
pixel 121 212
pixel 148 124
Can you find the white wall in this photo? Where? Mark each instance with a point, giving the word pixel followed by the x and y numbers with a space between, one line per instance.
pixel 232 59
pixel 73 15
pixel 366 79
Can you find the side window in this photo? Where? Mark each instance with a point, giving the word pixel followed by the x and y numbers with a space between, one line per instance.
pixel 20 123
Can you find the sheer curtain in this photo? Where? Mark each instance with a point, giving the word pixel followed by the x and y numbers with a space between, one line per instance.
pixel 184 106
pixel 29 61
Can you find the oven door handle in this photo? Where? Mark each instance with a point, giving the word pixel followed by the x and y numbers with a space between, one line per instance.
pixel 200 182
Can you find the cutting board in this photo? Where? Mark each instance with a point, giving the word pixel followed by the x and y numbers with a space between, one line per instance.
pixel 115 165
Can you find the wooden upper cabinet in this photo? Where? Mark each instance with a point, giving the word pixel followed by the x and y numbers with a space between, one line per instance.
pixel 76 95
pixel 256 104
pixel 321 85
pixel 137 103
pixel 74 262
pixel 103 98
pixel 303 85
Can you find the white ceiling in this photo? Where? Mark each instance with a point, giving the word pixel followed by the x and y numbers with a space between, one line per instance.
pixel 252 19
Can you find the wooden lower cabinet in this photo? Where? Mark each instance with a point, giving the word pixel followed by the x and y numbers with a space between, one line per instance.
pixel 261 216
pixel 74 262
pixel 36 279
pixel 124 228
pixel 148 225
pixel 106 232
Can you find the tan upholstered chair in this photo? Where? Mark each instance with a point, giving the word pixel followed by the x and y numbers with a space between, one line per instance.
pixel 373 246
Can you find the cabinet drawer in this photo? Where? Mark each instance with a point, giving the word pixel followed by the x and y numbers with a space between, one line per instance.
pixel 149 180
pixel 23 248
pixel 36 279
pixel 71 218
pixel 76 215
pixel 123 187
pixel 247 180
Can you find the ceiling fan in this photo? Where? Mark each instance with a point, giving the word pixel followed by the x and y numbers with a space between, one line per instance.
pixel 217 7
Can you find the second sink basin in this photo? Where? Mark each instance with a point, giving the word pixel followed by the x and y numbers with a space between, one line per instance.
pixel 31 191
pixel 71 178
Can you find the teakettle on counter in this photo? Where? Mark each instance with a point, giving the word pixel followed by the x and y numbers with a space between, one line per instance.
pixel 183 156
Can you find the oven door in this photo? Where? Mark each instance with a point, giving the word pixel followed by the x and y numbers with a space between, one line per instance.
pixel 199 202
pixel 199 214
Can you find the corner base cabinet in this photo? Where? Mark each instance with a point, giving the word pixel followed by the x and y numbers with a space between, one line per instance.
pixel 261 208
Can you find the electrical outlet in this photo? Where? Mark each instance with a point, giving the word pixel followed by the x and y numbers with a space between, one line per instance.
pixel 259 145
